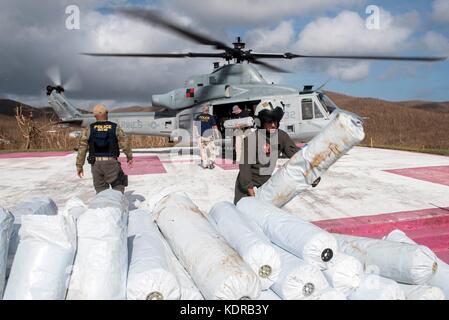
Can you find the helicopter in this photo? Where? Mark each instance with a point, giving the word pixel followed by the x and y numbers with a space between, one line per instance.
pixel 236 82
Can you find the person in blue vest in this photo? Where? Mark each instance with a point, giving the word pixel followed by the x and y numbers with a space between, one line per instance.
pixel 104 139
pixel 205 130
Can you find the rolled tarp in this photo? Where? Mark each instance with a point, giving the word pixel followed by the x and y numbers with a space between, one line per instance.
pixel 189 290
pixel 441 277
pixel 298 279
pixel 422 292
pixel 239 123
pixel 252 245
pixel 308 164
pixel 268 295
pixel 149 274
pixel 402 262
pixel 331 294
pixel 344 273
pixel 36 205
pixel 43 262
pixel 302 238
pixel 375 287
pixel 216 268
pixel 6 222
pixel 101 263
pixel 74 207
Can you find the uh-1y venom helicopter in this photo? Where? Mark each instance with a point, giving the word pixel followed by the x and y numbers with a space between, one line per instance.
pixel 307 111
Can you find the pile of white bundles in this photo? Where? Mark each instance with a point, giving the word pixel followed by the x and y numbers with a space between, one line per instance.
pixel 6 221
pixel 44 258
pixel 308 164
pixel 439 281
pixel 401 262
pixel 247 239
pixel 375 287
pixel 149 274
pixel 239 123
pixel 298 279
pixel 101 262
pixel 216 268
pixel 36 205
pixel 301 238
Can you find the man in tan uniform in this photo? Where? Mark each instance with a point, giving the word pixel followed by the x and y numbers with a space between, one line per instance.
pixel 205 130
pixel 104 139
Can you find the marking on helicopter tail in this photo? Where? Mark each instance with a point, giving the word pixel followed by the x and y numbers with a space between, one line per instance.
pixel 429 227
pixel 16 155
pixel 437 174
pixel 143 165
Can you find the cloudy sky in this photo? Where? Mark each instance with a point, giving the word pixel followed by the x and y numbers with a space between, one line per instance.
pixel 36 45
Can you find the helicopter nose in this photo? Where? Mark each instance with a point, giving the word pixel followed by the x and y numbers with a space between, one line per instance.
pixel 161 100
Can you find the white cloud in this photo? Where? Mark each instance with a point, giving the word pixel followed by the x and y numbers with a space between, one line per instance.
pixel 440 10
pixel 271 39
pixel 436 42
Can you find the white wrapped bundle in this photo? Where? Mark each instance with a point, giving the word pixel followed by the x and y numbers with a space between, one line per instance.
pixel 344 273
pixel 336 139
pixel 149 275
pixel 74 207
pixel 268 295
pixel 216 268
pixel 304 239
pixel 189 291
pixel 331 294
pixel 44 259
pixel 441 277
pixel 239 123
pixel 252 245
pixel 101 261
pixel 6 221
pixel 422 292
pixel 37 205
pixel 298 280
pixel 402 262
pixel 374 287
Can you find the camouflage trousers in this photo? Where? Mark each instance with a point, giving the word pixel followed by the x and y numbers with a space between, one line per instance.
pixel 207 151
pixel 107 173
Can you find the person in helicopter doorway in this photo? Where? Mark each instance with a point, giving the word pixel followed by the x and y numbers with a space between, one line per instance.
pixel 261 150
pixel 205 130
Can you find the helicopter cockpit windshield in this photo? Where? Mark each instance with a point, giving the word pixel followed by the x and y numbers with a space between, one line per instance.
pixel 327 102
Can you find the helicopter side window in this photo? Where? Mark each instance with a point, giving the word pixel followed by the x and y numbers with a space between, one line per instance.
pixel 307 109
pixel 317 111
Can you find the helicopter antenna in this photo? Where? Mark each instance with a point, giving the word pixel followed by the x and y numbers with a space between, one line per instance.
pixel 324 84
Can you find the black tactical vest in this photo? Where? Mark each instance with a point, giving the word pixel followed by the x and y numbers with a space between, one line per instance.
pixel 103 140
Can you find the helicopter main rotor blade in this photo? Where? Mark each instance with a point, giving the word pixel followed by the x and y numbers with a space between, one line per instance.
pixel 151 16
pixel 159 55
pixel 268 66
pixel 289 55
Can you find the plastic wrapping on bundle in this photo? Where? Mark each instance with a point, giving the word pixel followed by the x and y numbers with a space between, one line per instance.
pixel 216 268
pixel 402 262
pixel 374 287
pixel 331 294
pixel 422 292
pixel 149 275
pixel 298 279
pixel 37 205
pixel 44 259
pixel 308 164
pixel 301 238
pixel 441 277
pixel 268 295
pixel 252 245
pixel 344 273
pixel 238 123
pixel 6 222
pixel 74 207
pixel 101 262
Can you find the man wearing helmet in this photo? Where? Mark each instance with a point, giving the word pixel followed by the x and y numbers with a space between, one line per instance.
pixel 261 150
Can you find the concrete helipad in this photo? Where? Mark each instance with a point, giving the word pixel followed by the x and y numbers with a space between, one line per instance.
pixel 367 192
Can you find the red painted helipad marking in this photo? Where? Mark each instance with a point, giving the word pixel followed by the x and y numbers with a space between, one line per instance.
pixel 227 164
pixel 143 165
pixel 15 155
pixel 438 174
pixel 429 227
